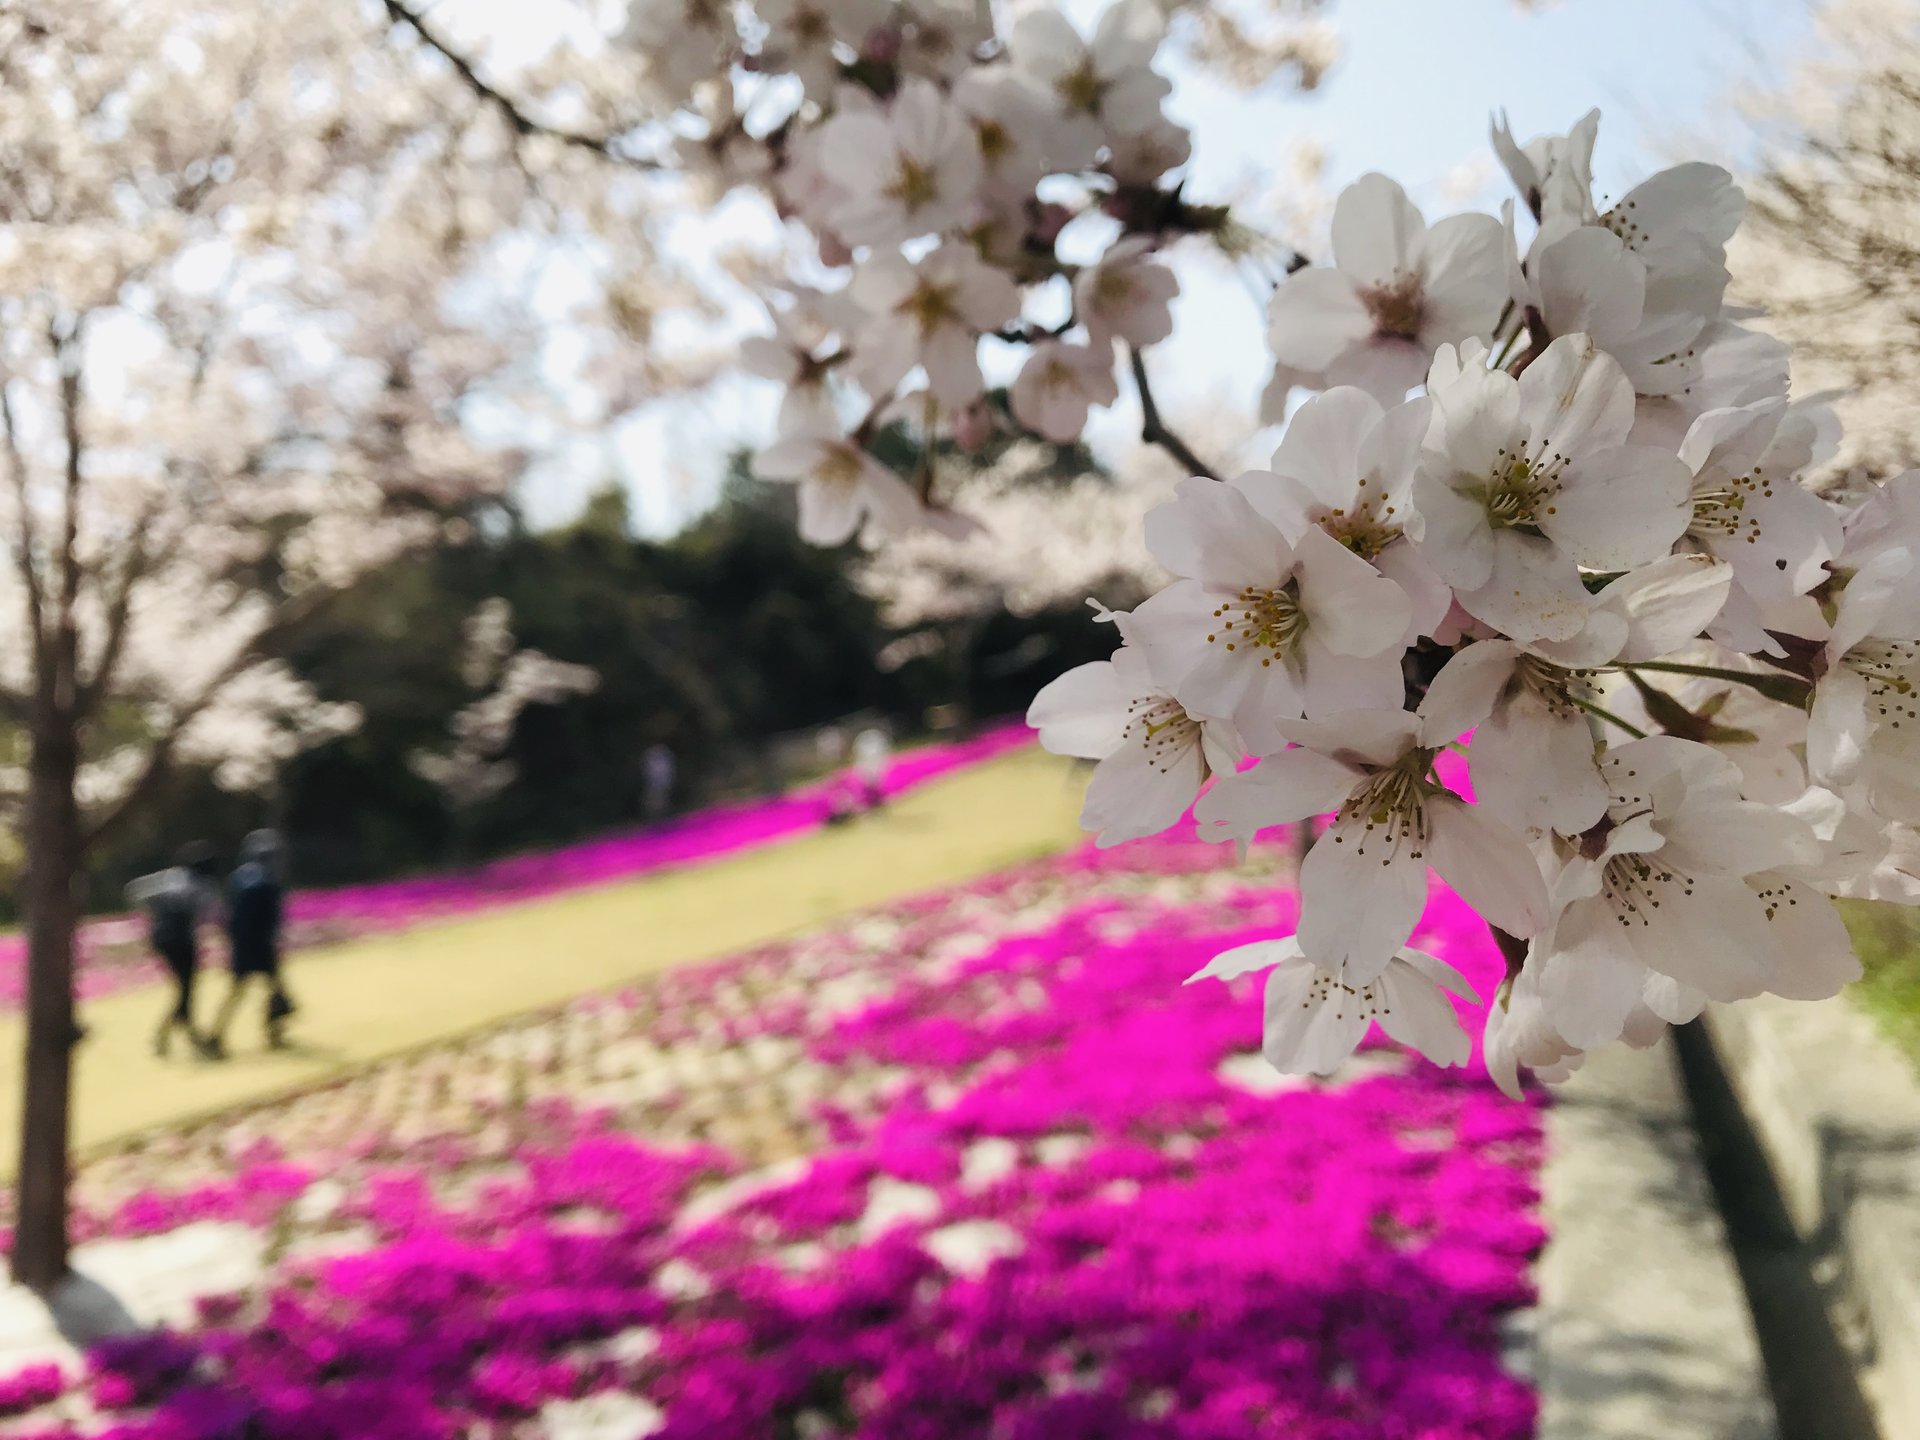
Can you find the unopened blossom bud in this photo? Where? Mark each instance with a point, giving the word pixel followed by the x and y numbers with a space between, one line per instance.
pixel 972 426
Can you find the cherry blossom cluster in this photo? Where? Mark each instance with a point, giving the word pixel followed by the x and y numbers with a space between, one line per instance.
pixel 1535 594
pixel 934 165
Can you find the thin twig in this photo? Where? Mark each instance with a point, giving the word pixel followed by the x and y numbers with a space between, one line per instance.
pixel 1610 718
pixel 1782 688
pixel 523 123
pixel 1154 431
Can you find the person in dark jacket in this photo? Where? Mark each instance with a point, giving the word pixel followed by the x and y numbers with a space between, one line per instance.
pixel 177 900
pixel 253 935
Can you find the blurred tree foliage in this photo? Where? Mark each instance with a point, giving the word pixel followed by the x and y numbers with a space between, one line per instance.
pixel 715 642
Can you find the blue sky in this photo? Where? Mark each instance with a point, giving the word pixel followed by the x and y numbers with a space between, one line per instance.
pixel 1411 96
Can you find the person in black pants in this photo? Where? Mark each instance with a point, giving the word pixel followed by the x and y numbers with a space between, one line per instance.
pixel 177 900
pixel 253 934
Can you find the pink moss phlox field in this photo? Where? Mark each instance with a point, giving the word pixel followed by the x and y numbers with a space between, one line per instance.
pixel 1156 1249
pixel 112 952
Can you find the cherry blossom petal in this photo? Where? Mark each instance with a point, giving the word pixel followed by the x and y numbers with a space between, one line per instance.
pixel 1133 794
pixel 1619 508
pixel 1361 894
pixel 1533 593
pixel 1284 788
pixel 1488 865
pixel 1377 231
pixel 1351 607
pixel 1083 712
pixel 1313 1022
pixel 1314 318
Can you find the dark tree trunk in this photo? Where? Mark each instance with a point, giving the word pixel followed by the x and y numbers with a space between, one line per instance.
pixel 53 845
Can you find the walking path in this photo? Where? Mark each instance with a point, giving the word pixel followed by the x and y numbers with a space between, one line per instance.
pixel 372 998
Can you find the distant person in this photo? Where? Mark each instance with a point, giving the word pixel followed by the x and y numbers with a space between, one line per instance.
pixel 657 767
pixel 253 934
pixel 872 750
pixel 830 746
pixel 842 806
pixel 177 901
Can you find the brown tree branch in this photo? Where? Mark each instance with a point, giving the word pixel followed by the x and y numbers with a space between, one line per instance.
pixel 160 759
pixel 1153 430
pixel 91 690
pixel 24 541
pixel 523 123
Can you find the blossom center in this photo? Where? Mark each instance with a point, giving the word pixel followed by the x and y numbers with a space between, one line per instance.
pixel 1521 491
pixel 812 26
pixel 839 468
pixel 1082 88
pixel 995 142
pixel 1891 669
pixel 1113 287
pixel 1634 886
pixel 914 185
pixel 1389 812
pixel 1368 1001
pixel 1161 727
pixel 1398 308
pixel 1366 528
pixel 931 306
pixel 1720 508
pixel 1559 689
pixel 1261 620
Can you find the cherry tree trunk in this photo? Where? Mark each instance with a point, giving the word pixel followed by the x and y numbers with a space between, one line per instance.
pixel 53 844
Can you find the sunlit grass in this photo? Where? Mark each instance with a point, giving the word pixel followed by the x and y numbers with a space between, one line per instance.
pixel 1888 939
pixel 386 994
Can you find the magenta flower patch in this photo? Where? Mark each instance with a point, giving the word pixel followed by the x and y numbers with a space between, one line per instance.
pixel 1054 1195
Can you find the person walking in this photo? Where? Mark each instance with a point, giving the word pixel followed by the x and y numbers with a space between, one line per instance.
pixel 176 901
pixel 658 769
pixel 253 934
pixel 872 754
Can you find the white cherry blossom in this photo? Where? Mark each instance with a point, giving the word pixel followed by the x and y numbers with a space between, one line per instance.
pixel 1532 756
pixel 1126 295
pixel 798 357
pixel 1259 629
pixel 1683 879
pixel 1588 281
pixel 1145 156
pixel 912 171
pixel 841 486
pixel 1865 721
pixel 1523 482
pixel 1364 883
pixel 1100 88
pixel 1315 1018
pixel 1397 290
pixel 802 35
pixel 1350 463
pixel 1153 755
pixel 929 314
pixel 1059 383
pixel 1009 116
pixel 1751 511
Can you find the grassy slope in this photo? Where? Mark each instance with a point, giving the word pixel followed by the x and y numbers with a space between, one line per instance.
pixel 375 997
pixel 1888 939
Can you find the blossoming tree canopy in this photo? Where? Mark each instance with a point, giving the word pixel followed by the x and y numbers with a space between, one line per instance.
pixel 233 382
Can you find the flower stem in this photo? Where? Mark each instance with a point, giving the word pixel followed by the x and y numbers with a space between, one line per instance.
pixel 1783 688
pixel 1153 430
pixel 1610 718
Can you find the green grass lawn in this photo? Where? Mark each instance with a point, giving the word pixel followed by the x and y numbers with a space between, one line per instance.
pixel 386 994
pixel 1888 939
